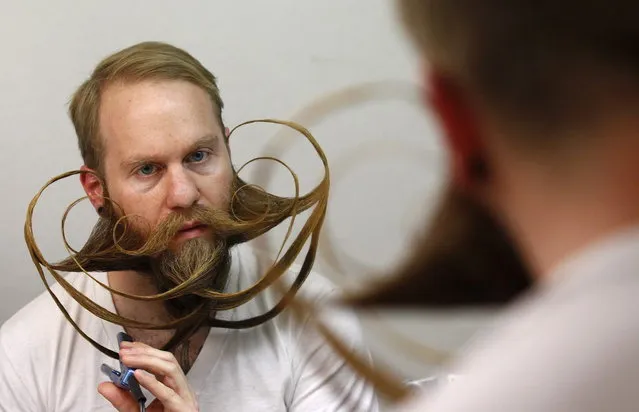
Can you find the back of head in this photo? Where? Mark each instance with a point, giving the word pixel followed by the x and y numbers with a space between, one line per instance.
pixel 537 63
pixel 545 70
pixel 142 61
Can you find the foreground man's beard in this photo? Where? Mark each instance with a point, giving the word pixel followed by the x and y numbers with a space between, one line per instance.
pixel 465 259
pixel 123 244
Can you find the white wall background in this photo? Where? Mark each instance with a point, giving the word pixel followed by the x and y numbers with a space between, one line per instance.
pixel 272 58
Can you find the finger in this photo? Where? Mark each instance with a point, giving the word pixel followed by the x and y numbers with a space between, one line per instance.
pixel 169 369
pixel 167 396
pixel 156 366
pixel 139 347
pixel 161 363
pixel 119 398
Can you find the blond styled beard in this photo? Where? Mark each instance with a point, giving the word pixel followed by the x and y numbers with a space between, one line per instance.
pixel 209 260
pixel 117 244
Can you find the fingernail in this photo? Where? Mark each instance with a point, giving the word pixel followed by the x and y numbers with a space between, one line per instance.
pixel 126 344
pixel 140 373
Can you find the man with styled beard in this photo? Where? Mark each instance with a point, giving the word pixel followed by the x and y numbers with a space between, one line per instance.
pixel 172 268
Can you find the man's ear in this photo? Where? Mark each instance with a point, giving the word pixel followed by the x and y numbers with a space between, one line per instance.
pixel 460 128
pixel 93 188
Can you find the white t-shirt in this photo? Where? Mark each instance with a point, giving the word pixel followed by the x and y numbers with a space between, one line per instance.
pixel 45 365
pixel 572 345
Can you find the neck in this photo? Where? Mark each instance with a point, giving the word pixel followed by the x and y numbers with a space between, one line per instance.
pixel 136 283
pixel 557 238
pixel 555 211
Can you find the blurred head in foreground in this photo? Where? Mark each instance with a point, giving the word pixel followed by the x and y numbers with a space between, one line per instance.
pixel 538 103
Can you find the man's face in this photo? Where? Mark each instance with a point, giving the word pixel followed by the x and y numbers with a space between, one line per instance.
pixel 164 151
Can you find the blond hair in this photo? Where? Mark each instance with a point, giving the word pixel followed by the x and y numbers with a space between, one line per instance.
pixel 142 61
pixel 543 63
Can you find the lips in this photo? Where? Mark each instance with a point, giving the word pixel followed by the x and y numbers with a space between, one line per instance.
pixel 192 225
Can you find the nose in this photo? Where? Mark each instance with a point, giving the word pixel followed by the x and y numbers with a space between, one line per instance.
pixel 182 190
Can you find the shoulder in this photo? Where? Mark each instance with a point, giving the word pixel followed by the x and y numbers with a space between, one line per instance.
pixel 576 353
pixel 39 348
pixel 40 324
pixel 251 264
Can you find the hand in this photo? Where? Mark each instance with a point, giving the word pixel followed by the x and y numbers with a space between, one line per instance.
pixel 166 381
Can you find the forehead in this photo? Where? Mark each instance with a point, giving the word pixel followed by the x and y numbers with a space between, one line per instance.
pixel 151 115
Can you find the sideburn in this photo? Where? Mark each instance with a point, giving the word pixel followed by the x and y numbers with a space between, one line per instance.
pixel 466 259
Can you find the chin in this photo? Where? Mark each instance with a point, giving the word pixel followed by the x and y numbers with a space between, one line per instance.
pixel 179 243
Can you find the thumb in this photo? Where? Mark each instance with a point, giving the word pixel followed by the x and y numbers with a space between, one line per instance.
pixel 119 398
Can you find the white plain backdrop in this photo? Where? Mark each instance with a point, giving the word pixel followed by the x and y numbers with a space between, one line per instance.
pixel 272 58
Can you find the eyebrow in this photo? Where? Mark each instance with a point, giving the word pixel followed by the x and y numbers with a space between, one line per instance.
pixel 209 140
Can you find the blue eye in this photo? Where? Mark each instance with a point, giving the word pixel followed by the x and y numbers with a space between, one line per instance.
pixel 198 156
pixel 146 170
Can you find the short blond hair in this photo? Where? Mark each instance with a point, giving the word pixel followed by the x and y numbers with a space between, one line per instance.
pixel 541 62
pixel 142 61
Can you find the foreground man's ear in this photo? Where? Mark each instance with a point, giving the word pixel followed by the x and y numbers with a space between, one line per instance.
pixel 460 127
